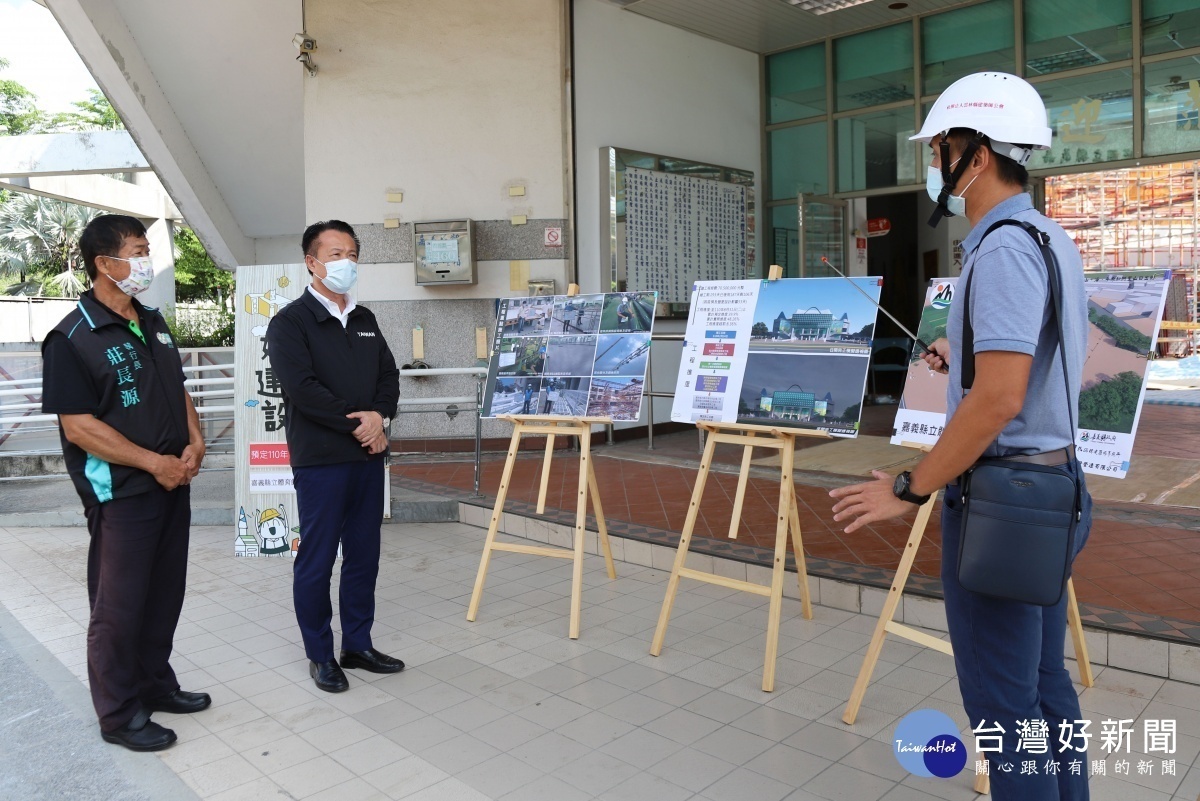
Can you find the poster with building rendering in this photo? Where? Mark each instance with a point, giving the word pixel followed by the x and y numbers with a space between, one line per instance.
pixel 571 356
pixel 1124 312
pixel 792 352
pixel 266 520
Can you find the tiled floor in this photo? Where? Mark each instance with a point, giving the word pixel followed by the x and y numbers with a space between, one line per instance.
pixel 509 708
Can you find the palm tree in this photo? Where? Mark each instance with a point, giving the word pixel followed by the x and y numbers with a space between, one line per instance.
pixel 39 243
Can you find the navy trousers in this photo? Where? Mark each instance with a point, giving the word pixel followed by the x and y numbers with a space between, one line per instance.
pixel 1009 658
pixel 338 503
pixel 136 575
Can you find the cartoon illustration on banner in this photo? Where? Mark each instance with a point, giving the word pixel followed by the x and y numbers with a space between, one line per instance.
pixel 267 519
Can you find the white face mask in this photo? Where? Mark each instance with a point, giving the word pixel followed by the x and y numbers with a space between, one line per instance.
pixel 141 274
pixel 340 275
pixel 955 204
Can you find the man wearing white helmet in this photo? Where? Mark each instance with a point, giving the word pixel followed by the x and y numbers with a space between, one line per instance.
pixel 1009 655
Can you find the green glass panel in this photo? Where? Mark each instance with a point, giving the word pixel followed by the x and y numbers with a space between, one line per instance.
pixel 873 150
pixel 1092 118
pixel 796 84
pixel 783 240
pixel 874 67
pixel 1070 34
pixel 1170 25
pixel 1172 100
pixel 973 39
pixel 799 159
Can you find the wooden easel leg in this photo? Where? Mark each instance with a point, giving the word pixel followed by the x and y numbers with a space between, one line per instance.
pixel 494 526
pixel 685 538
pixel 798 553
pixel 541 504
pixel 581 499
pixel 895 593
pixel 983 784
pixel 1076 625
pixel 740 497
pixel 593 487
pixel 782 524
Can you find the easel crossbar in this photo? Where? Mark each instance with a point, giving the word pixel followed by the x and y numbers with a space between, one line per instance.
pixel 928 640
pixel 747 440
pixel 723 581
pixel 534 550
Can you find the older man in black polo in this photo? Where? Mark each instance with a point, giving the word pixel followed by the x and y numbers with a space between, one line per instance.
pixel 132 443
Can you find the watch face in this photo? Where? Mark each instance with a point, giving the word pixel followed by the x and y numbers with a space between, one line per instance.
pixel 900 485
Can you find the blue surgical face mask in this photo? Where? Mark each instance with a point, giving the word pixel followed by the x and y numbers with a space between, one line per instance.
pixel 955 204
pixel 340 275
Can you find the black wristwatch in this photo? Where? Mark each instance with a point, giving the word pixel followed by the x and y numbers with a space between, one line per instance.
pixel 900 488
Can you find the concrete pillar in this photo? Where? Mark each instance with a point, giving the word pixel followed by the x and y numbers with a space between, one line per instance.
pixel 161 293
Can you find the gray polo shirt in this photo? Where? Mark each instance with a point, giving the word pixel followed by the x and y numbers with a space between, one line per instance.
pixel 1010 312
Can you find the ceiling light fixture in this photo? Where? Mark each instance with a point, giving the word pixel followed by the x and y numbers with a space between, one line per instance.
pixel 825 6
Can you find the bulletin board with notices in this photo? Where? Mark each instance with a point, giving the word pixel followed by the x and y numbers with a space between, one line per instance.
pixel 680 229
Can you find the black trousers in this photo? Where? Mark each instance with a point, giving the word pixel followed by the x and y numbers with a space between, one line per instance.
pixel 338 503
pixel 137 571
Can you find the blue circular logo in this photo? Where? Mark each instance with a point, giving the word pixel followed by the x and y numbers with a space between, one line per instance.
pixel 926 744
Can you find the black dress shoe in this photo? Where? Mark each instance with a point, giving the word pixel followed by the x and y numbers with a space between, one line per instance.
pixel 371 660
pixel 179 702
pixel 328 676
pixel 141 734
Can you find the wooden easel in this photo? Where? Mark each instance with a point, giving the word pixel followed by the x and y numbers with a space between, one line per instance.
pixel 525 425
pixel 886 625
pixel 788 519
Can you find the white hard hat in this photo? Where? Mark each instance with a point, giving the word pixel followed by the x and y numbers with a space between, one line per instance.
pixel 1006 108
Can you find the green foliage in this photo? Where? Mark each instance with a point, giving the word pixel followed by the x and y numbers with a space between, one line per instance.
pixel 866 332
pixel 19 113
pixel 39 244
pixel 94 114
pixel 1111 405
pixel 760 330
pixel 1123 336
pixel 214 332
pixel 851 413
pixel 197 277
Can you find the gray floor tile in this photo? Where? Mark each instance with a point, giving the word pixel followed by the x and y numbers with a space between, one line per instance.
pixel 458 754
pixel 471 714
pixel 637 709
pixel 508 732
pixel 422 733
pixel 547 788
pixel 641 748
pixel 691 769
pixel 788 765
pixel 646 787
pixel 595 693
pixel 553 712
pixel 595 729
pixel 746 785
pixel 825 741
pixel 842 783
pixel 733 745
pixel 558 678
pixel 500 775
pixel 596 773
pixel 550 752
pixel 676 691
pixel 771 723
pixel 683 726
pixel 722 706
pixel 634 677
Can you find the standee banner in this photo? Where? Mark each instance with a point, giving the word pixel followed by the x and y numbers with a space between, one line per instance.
pixel 266 520
pixel 571 356
pixel 792 352
pixel 1124 313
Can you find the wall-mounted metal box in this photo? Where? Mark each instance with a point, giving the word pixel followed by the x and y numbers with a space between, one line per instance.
pixel 444 252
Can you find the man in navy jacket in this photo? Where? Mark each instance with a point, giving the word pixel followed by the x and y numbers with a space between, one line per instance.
pixel 340 387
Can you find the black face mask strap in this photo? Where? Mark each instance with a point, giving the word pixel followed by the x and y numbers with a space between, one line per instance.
pixel 950 179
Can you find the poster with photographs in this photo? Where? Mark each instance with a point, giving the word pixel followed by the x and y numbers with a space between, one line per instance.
pixel 793 352
pixel 1124 313
pixel 571 356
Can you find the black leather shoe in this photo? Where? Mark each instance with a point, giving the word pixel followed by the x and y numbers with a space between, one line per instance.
pixel 180 702
pixel 141 734
pixel 371 660
pixel 328 676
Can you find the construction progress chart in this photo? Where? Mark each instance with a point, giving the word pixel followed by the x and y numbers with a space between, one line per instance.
pixel 571 356
pixel 680 229
pixel 792 352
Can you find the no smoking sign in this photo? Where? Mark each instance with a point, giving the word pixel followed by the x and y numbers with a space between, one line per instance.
pixel 553 238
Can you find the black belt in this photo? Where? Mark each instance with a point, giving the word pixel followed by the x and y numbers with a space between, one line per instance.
pixel 1049 459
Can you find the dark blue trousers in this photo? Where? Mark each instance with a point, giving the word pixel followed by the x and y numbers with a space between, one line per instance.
pixel 338 503
pixel 1009 658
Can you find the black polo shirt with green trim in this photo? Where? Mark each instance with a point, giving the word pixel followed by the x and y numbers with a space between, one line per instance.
pixel 126 374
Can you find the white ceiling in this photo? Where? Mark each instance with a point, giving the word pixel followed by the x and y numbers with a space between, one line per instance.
pixel 764 26
pixel 228 69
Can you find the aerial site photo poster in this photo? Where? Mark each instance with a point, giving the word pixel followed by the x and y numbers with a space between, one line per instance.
pixel 1124 312
pixel 791 352
pixel 571 356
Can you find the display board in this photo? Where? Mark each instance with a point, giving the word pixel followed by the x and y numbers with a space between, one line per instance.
pixel 792 352
pixel 267 522
pixel 571 356
pixel 680 229
pixel 1124 313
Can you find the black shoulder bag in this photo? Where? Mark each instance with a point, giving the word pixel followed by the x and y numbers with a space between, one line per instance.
pixel 1019 519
